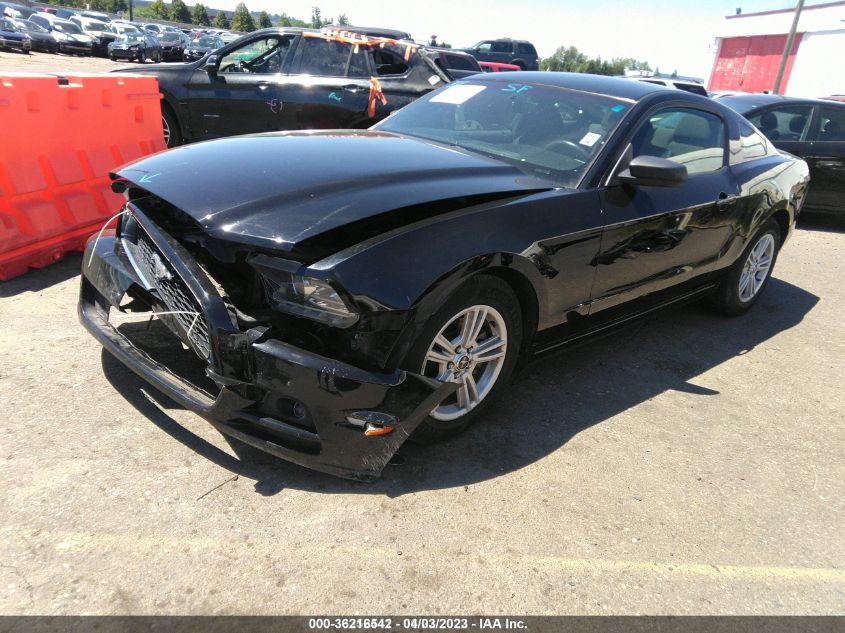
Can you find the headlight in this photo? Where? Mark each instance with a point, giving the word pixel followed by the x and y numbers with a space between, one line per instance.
pixel 299 295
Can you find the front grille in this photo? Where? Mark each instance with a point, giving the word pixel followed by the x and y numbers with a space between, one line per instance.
pixel 155 269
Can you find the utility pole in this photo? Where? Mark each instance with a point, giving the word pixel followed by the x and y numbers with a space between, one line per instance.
pixel 130 10
pixel 788 48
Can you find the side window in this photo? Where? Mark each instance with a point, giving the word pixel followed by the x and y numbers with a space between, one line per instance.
pixel 751 145
pixel 387 62
pixel 691 137
pixel 502 47
pixel 330 59
pixel 456 62
pixel 832 124
pixel 485 47
pixel 787 123
pixel 263 56
pixel 526 49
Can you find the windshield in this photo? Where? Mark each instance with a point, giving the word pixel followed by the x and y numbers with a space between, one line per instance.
pixel 132 38
pixel 68 27
pixel 6 25
pixel 32 26
pixel 208 42
pixel 170 37
pixel 544 130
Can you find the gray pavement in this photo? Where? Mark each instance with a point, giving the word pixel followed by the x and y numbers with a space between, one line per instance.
pixel 692 464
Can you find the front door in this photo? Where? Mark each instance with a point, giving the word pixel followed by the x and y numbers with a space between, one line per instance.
pixel 827 161
pixel 243 94
pixel 659 238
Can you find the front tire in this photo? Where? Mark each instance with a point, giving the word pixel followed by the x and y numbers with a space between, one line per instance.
pixel 746 280
pixel 473 340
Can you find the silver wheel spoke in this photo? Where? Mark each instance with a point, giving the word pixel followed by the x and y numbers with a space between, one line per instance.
pixel 490 349
pixel 473 322
pixel 471 389
pixel 438 357
pixel 445 344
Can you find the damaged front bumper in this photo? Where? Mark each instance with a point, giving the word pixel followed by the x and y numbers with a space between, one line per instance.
pixel 291 403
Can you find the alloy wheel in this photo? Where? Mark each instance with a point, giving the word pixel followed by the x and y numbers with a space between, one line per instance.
pixel 166 130
pixel 469 350
pixel 756 268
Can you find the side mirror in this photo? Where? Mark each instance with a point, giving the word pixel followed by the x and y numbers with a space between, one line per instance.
pixel 651 171
pixel 210 65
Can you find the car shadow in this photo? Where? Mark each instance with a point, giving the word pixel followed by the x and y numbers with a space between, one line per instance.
pixel 550 401
pixel 826 222
pixel 36 280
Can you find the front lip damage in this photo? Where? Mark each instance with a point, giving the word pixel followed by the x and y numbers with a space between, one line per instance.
pixel 330 390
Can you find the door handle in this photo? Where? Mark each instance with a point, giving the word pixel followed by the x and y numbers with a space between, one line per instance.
pixel 351 88
pixel 263 85
pixel 830 164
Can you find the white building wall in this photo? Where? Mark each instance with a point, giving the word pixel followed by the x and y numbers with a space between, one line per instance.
pixel 820 19
pixel 819 69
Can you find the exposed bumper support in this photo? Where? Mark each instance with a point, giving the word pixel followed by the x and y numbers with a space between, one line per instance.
pixel 252 407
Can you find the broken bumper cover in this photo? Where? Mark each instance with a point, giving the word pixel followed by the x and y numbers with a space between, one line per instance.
pixel 339 400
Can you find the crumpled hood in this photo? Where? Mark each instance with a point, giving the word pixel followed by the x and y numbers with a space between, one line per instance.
pixel 278 189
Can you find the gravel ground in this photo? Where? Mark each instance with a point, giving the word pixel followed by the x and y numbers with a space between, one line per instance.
pixel 690 465
pixel 57 64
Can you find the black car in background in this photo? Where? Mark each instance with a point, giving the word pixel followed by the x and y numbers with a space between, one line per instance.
pixel 41 38
pixel 135 47
pixel 291 79
pixel 340 291
pixel 202 46
pixel 813 129
pixel 13 37
pixel 506 51
pixel 173 44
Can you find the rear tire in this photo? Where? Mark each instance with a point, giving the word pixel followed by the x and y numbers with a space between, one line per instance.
pixel 474 339
pixel 746 280
pixel 170 127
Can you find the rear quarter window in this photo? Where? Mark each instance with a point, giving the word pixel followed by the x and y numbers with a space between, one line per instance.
pixel 527 49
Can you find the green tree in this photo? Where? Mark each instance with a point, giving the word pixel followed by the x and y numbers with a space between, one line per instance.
pixel 221 21
pixel 179 12
pixel 287 20
pixel 199 15
pixel 98 5
pixel 264 20
pixel 242 19
pixel 316 18
pixel 159 10
pixel 116 6
pixel 342 20
pixel 571 60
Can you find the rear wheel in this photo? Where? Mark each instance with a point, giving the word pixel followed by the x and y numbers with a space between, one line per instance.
pixel 474 341
pixel 170 127
pixel 742 286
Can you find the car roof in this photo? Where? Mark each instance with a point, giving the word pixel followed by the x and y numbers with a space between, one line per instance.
pixel 748 102
pixel 599 84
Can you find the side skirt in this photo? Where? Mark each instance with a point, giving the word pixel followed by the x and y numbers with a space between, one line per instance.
pixel 611 326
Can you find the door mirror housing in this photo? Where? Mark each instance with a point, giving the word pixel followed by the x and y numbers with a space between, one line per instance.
pixel 210 65
pixel 652 171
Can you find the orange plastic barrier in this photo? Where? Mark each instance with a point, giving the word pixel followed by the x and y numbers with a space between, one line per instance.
pixel 60 139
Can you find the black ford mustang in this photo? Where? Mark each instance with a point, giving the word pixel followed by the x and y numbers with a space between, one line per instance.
pixel 344 290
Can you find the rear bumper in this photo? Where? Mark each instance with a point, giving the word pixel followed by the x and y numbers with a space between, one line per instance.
pixel 256 393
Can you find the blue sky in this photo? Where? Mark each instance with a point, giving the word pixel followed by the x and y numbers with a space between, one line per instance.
pixel 671 34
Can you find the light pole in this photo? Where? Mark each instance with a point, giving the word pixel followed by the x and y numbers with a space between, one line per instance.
pixel 788 48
